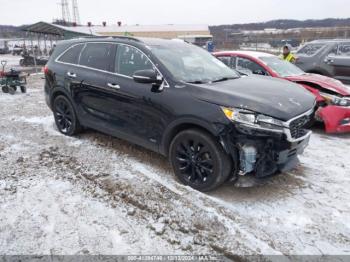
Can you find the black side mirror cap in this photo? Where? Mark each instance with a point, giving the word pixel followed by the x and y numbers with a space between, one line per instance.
pixel 147 76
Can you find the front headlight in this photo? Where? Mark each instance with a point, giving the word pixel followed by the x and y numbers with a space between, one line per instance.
pixel 335 100
pixel 253 119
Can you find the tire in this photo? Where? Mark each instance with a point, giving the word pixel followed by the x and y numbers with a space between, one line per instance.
pixel 23 89
pixel 198 160
pixel 21 62
pixel 12 90
pixel 65 116
pixel 5 89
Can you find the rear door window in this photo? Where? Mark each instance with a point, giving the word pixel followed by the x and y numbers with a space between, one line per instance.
pixel 71 56
pixel 129 60
pixel 99 56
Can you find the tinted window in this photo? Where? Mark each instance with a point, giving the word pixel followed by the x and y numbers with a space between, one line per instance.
pixel 310 49
pixel 344 49
pixel 71 55
pixel 244 63
pixel 99 56
pixel 130 59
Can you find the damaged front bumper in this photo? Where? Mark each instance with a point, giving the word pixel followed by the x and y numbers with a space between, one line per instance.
pixel 336 119
pixel 263 152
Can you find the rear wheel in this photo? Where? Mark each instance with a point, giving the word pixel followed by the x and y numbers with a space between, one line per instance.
pixel 65 117
pixel 199 160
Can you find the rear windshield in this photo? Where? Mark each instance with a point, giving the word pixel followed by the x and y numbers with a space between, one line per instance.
pixel 310 49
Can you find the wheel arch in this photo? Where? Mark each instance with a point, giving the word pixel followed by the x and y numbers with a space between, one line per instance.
pixel 183 124
pixel 57 91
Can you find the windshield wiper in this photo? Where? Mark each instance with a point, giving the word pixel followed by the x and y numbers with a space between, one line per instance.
pixel 197 82
pixel 224 79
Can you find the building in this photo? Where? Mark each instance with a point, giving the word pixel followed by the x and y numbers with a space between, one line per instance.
pixel 158 31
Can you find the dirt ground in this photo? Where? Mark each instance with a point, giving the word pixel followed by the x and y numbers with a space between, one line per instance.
pixel 93 194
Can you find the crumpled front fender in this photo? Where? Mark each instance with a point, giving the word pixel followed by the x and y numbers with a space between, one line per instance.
pixel 336 118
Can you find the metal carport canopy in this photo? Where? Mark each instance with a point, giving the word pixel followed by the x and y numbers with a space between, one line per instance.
pixel 44 28
pixel 55 30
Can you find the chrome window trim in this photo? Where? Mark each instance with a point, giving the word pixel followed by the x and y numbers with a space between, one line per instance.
pixel 166 84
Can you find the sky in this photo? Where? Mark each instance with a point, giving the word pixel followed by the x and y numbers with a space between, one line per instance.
pixel 211 12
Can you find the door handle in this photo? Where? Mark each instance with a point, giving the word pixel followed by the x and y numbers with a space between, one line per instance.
pixel 72 75
pixel 329 60
pixel 116 86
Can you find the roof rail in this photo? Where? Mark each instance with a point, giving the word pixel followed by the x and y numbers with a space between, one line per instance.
pixel 113 37
pixel 127 38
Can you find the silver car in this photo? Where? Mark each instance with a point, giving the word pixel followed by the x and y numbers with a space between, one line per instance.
pixel 326 57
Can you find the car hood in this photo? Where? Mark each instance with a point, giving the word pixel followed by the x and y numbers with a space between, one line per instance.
pixel 324 82
pixel 270 96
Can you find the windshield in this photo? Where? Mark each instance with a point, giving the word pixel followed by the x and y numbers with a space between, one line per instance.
pixel 192 64
pixel 281 67
pixel 310 49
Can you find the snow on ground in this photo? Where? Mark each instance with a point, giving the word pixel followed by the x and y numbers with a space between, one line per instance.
pixel 93 194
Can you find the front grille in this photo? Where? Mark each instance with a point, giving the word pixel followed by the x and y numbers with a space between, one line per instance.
pixel 297 126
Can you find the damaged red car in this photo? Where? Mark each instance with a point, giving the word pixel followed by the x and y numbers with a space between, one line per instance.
pixel 333 97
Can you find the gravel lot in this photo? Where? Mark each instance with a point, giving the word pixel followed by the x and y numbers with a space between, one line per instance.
pixel 93 194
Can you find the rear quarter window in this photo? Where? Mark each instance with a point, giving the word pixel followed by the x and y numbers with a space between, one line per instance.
pixel 72 54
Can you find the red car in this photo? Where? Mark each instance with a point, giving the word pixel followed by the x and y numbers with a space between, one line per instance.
pixel 333 97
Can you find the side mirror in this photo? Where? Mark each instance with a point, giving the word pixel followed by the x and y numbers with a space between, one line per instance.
pixel 328 59
pixel 148 76
pixel 259 72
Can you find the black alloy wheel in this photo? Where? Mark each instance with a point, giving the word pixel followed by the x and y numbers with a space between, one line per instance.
pixel 65 117
pixel 199 160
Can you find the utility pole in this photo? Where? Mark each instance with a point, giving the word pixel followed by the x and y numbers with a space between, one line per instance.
pixel 76 17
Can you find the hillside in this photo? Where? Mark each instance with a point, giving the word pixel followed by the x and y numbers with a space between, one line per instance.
pixel 9 31
pixel 286 24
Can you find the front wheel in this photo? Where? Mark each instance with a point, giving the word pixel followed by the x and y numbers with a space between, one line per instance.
pixel 199 160
pixel 65 117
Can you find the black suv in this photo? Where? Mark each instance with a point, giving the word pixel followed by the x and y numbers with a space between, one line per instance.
pixel 177 99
